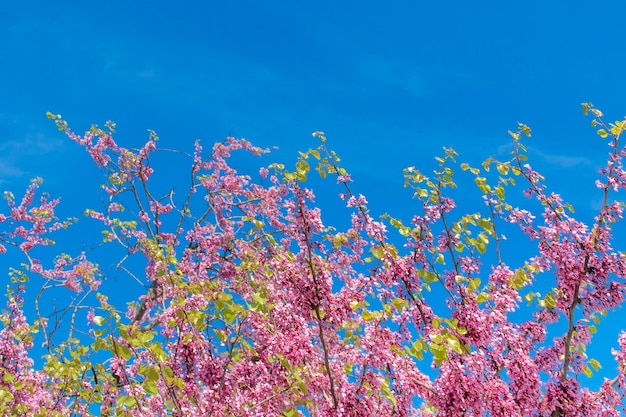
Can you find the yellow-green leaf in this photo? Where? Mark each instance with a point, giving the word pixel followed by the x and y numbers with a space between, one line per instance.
pixel 99 320
pixel 378 252
pixel 514 135
pixel 595 364
pixel 150 387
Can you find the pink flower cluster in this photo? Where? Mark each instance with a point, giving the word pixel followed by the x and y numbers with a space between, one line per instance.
pixel 255 306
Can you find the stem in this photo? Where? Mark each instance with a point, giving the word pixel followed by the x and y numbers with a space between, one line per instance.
pixel 315 306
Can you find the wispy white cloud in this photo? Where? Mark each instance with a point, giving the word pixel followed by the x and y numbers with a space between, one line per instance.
pixel 8 170
pixel 146 73
pixel 388 72
pixel 562 160
pixel 23 146
pixel 33 144
pixel 559 160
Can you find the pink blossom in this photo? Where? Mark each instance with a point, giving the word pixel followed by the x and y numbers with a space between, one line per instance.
pixel 255 304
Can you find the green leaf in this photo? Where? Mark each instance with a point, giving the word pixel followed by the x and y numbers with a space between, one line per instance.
pixel 486 163
pixel 302 166
pixel 595 364
pixel 367 315
pixel 347 368
pixel 221 335
pixel 481 247
pixel 439 353
pixel 514 135
pixel 400 303
pixel 259 303
pixel 229 315
pixel 378 252
pixel 152 374
pixel 518 279
pixel 384 387
pixel 150 387
pixel 430 276
pixel 99 320
pixel 481 182
pixel 130 402
pixel 549 300
pixel 284 362
pixel 169 374
pixel 436 337
pixel 125 352
pixel 529 297
pixel 482 297
pixel 454 344
pixel 500 192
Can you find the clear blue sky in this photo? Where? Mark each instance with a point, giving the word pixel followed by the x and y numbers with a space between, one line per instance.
pixel 389 84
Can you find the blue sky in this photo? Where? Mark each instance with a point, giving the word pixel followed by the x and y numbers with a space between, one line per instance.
pixel 389 84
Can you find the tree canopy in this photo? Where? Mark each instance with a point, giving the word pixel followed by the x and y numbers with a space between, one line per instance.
pixel 255 306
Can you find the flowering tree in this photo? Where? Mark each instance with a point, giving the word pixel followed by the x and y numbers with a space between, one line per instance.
pixel 255 307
